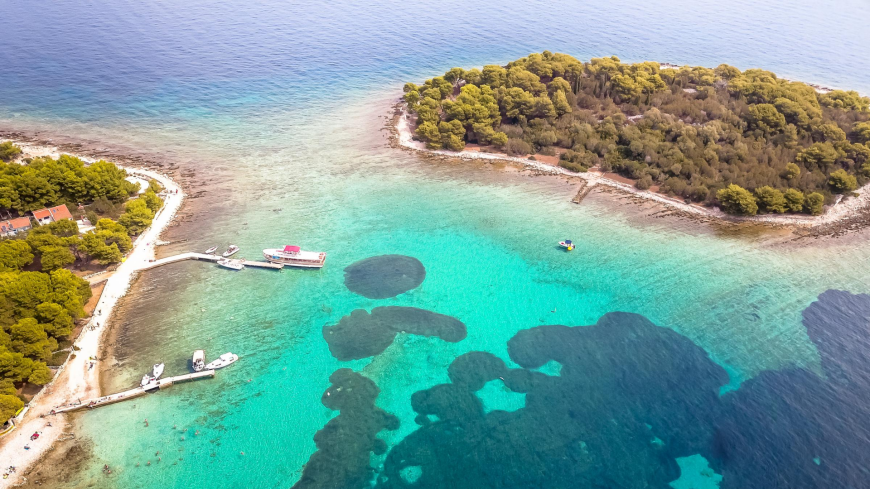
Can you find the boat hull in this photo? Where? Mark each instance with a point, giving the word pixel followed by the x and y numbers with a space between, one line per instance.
pixel 278 257
pixel 231 264
pixel 224 360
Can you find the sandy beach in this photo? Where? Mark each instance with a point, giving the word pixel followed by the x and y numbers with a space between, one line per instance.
pixel 78 378
pixel 840 211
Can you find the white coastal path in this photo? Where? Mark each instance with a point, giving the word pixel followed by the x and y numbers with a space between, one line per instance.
pixel 78 379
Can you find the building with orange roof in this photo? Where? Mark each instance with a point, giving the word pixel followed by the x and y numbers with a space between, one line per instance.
pixel 51 214
pixel 12 227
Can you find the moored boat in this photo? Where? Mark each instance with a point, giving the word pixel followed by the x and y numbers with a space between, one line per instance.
pixel 567 244
pixel 157 370
pixel 231 264
pixel 232 250
pixel 223 361
pixel 211 250
pixel 198 360
pixel 293 256
pixel 146 379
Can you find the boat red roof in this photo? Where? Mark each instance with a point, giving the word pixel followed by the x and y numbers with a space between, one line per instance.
pixel 292 249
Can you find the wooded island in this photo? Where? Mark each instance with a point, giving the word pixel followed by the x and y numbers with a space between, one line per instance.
pixel 748 141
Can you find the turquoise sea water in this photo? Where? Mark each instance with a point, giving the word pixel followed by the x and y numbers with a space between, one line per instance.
pixel 279 109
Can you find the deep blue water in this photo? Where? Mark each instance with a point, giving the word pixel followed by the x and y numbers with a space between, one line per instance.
pixel 709 359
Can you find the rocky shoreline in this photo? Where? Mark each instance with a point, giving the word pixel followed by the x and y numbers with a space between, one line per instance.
pixel 846 216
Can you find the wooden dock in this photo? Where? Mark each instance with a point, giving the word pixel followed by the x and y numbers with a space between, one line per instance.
pixel 211 258
pixel 135 392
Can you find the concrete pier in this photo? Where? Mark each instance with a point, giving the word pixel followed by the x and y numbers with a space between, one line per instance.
pixel 212 258
pixel 135 392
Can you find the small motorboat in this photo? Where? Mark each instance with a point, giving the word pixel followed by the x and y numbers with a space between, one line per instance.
pixel 211 250
pixel 157 370
pixel 567 244
pixel 198 360
pixel 222 361
pixel 231 264
pixel 232 250
pixel 147 379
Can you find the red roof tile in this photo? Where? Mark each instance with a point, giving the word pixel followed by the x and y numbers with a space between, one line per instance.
pixel 60 212
pixel 56 213
pixel 20 222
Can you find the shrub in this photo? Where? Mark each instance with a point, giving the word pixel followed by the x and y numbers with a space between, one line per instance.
pixel 814 203
pixel 517 147
pixel 791 171
pixel 698 193
pixel 794 200
pixel 644 183
pixel 575 167
pixel 499 139
pixel 737 200
pixel 8 150
pixel 770 199
pixel 841 181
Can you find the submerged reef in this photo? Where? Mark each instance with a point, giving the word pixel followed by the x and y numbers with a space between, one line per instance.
pixel 361 335
pixel 794 429
pixel 385 276
pixel 345 444
pixel 629 399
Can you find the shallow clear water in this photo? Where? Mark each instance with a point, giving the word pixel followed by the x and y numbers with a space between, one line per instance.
pixel 279 109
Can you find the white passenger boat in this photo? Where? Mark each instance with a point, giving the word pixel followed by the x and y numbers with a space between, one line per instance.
pixel 147 379
pixel 211 250
pixel 293 256
pixel 198 360
pixel 232 250
pixel 223 361
pixel 157 370
pixel 231 264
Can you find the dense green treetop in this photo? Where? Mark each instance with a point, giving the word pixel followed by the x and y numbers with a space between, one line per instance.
pixel 691 131
pixel 67 180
